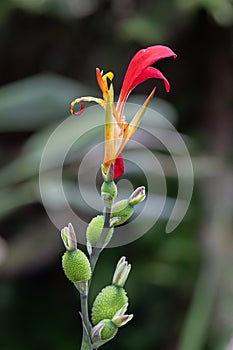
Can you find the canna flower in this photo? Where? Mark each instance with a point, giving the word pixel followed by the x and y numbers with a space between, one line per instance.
pixel 117 130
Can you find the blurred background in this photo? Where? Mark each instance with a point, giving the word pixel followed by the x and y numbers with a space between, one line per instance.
pixel 181 285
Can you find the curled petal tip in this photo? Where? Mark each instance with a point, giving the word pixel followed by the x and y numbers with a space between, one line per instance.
pixel 72 108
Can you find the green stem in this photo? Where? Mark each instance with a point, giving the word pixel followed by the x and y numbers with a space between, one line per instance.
pixel 86 343
pixel 98 249
pixel 83 289
pixel 86 340
pixel 84 307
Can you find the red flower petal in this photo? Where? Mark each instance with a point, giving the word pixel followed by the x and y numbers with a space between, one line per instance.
pixel 150 72
pixel 119 167
pixel 139 63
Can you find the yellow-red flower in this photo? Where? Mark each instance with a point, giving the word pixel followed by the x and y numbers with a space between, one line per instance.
pixel 117 130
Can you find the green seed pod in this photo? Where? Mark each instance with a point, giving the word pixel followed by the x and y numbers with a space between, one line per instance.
pixel 109 330
pixel 94 229
pixel 76 266
pixel 108 302
pixel 122 210
pixel 108 192
pixel 110 188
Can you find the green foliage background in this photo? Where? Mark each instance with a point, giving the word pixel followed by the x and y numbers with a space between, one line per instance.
pixel 181 286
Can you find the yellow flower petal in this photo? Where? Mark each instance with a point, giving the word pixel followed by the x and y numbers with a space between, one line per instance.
pixel 102 81
pixel 132 127
pixel 108 75
pixel 109 131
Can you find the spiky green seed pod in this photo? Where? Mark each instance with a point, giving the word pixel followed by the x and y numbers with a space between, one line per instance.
pixel 76 266
pixel 94 229
pixel 109 330
pixel 122 210
pixel 108 302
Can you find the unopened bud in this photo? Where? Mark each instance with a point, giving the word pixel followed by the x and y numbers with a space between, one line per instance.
pixel 121 272
pixel 120 321
pixel 137 196
pixel 69 238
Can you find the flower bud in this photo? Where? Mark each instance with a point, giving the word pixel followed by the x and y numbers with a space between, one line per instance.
pixel 108 193
pixel 69 238
pixel 120 321
pixel 108 302
pixel 121 273
pixel 76 266
pixel 137 196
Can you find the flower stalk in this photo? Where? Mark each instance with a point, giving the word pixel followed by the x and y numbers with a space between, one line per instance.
pixel 86 343
pixel 110 305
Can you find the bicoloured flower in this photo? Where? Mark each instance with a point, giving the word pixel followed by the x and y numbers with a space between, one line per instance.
pixel 117 130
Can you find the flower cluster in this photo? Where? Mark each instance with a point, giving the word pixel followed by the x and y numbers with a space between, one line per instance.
pixel 117 130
